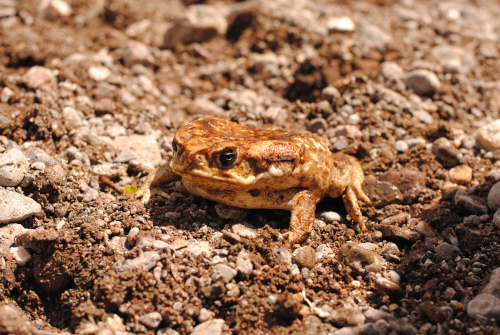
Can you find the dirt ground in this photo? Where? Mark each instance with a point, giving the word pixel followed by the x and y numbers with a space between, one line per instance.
pixel 405 86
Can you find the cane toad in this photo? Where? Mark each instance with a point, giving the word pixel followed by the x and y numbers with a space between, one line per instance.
pixel 251 168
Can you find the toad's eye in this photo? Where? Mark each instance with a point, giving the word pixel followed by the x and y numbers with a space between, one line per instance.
pixel 174 145
pixel 226 158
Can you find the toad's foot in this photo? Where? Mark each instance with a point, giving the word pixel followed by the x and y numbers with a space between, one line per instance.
pixel 351 196
pixel 153 185
pixel 303 207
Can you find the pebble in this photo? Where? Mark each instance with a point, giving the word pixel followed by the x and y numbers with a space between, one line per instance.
pixel 396 220
pixel 373 315
pixel 15 207
pixel 340 24
pixel 147 261
pixel 72 117
pixel 347 130
pixel 398 233
pixel 471 203
pixel 164 331
pixel 197 249
pixel 484 304
pixel 136 52
pixel 38 76
pixel 21 255
pixel 144 146
pixel 447 251
pixel 393 276
pixel 450 189
pixel 454 59
pixel 99 73
pixel 304 257
pixel 353 119
pixel 106 105
pixel 374 36
pixel 493 197
pixel 403 326
pixel 422 82
pixel 243 231
pixel 212 327
pixel 204 106
pixel 54 9
pixel 390 250
pixel 330 94
pixel 90 195
pixel 411 183
pixel 340 143
pixel 401 146
pixel 423 116
pixel 493 283
pixel 223 272
pixel 330 217
pixel 110 170
pixel 198 24
pixel 151 320
pixel 345 316
pixel 244 263
pixel 231 237
pixel 283 255
pixel 359 259
pixel 317 124
pixel 13 321
pixel 461 174
pixel 204 315
pixel 496 219
pixel 489 50
pixel 125 156
pixel 488 136
pixel 382 193
pixel 391 71
pixel 433 312
pixel 34 154
pixel 13 167
pixel 445 152
pixel 230 212
pixel 386 287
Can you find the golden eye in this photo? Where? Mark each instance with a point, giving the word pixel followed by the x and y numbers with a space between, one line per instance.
pixel 227 158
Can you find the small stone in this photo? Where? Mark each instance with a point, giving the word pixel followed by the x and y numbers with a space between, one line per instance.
pixel 391 71
pixel 345 316
pixel 496 219
pixel 340 143
pixel 137 29
pixel 411 183
pixel 461 174
pixel 470 203
pixel 402 326
pixel 37 76
pixel 204 315
pixel 165 331
pixel 244 264
pixel 454 59
pixel 99 73
pixel 445 152
pixel 450 189
pixel 212 327
pixel 393 276
pixel 330 94
pixel 244 231
pixel 433 312
pixel 72 117
pixel 386 287
pixel 147 261
pixel 330 217
pixel 13 321
pixel 283 255
pixel 53 9
pixel 396 220
pixel 484 304
pixel 489 50
pixel 136 52
pixel 398 233
pixel 382 193
pixel 450 236
pixel 34 154
pixel 90 195
pixel 144 146
pixel 493 197
pixel 125 156
pixel 105 105
pixel 347 130
pixel 198 24
pixel 304 257
pixel 389 249
pixel 422 82
pixel 15 207
pixel 325 107
pixel 359 259
pixel 401 146
pixel 21 255
pixel 493 283
pixel 353 119
pixel 223 272
pixel 132 236
pixel 318 124
pixel 231 237
pixel 374 36
pixel 341 24
pixel 109 170
pixel 423 116
pixel 151 320
pixel 160 245
pixel 469 142
pixel 447 251
pixel 373 315
pixel 204 106
pixel 179 243
pixel 13 167
pixel 38 166
pixel 488 136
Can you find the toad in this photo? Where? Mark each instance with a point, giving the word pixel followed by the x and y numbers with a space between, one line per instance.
pixel 251 168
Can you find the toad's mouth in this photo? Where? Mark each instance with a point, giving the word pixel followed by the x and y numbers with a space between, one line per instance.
pixel 220 176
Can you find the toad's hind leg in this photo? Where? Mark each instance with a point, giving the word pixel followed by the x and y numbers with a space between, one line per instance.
pixel 153 185
pixel 302 207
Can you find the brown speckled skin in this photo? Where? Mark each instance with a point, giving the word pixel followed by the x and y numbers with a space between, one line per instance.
pixel 273 169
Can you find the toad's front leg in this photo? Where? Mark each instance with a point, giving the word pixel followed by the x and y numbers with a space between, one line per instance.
pixel 155 182
pixel 302 206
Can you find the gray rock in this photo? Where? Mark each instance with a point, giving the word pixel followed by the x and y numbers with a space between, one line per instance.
pixel 493 196
pixel 488 136
pixel 373 315
pixel 403 326
pixel 223 272
pixel 34 154
pixel 422 82
pixel 151 320
pixel 15 207
pixel 344 316
pixel 386 287
pixel 125 156
pixel 325 107
pixel 90 195
pixel 317 124
pixel 389 250
pixel 212 327
pixel 396 220
pixel 37 76
pixel 13 167
pixel 198 24
pixel 382 193
pixel 304 257
pixel 147 261
pixel 73 116
pixel 411 183
pixel 360 260
pixel 244 263
pixel 454 59
pixel 493 283
pixel 496 219
pixel 340 143
pixel 470 203
pixel 330 217
pixel 136 52
pixel 445 152
pixel 447 251
pixel 484 304
pixel 391 71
